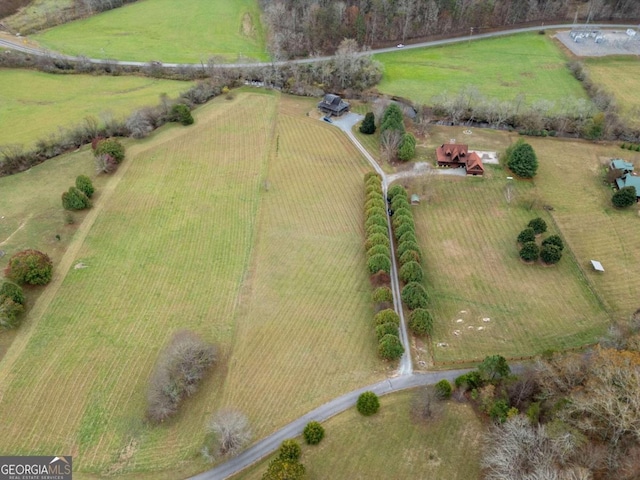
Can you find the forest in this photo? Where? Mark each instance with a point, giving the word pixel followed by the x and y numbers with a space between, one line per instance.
pixel 305 27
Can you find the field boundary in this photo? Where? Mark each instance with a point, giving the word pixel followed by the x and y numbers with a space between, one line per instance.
pixel 601 301
pixel 60 272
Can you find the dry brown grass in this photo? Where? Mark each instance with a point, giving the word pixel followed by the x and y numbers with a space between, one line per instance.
pixel 390 445
pixel 192 239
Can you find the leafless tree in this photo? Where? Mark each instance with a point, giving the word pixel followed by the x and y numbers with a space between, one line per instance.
pixel 178 371
pixel 389 143
pixel 230 432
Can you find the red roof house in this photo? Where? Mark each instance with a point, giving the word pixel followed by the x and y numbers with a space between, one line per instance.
pixel 474 164
pixel 457 155
pixel 452 155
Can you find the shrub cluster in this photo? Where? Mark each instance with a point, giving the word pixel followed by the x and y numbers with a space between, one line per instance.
pixel 287 464
pixel 178 371
pixel 313 433
pixel 11 305
pixel 491 387
pixel 78 196
pixel 625 197
pixel 414 296
pixel 368 404
pixel 630 146
pixel 30 267
pixel 550 252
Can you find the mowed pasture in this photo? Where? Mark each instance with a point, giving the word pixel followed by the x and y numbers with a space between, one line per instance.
pixel 621 77
pixel 242 228
pixel 447 446
pixel 571 180
pixel 35 105
pixel 189 31
pixel 528 64
pixel 485 300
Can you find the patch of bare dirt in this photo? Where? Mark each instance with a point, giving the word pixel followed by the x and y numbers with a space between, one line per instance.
pixel 248 28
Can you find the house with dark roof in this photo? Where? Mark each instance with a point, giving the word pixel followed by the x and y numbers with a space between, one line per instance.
pixel 333 105
pixel 629 180
pixel 619 164
pixel 456 155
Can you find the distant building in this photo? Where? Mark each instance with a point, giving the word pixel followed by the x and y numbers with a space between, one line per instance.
pixel 619 164
pixel 333 105
pixel 628 180
pixel 456 155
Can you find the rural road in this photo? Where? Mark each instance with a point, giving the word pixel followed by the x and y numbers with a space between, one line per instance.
pixel 271 443
pixel 22 44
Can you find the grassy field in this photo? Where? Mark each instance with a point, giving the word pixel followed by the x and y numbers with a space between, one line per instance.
pixel 446 447
pixel 621 77
pixel 468 231
pixel 35 105
pixel 239 228
pixel 165 30
pixel 571 180
pixel 502 68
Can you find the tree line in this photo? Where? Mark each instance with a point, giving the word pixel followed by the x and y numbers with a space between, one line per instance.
pixel 305 27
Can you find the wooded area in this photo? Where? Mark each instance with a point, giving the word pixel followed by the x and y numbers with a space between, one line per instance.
pixel 303 27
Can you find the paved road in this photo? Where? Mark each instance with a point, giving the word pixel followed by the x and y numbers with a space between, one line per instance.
pixel 13 43
pixel 272 442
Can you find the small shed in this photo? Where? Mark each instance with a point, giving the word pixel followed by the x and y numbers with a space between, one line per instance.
pixel 597 266
pixel 415 199
pixel 333 105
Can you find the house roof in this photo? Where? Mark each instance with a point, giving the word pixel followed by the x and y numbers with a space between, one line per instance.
pixel 452 152
pixel 619 164
pixel 333 103
pixel 474 162
pixel 628 180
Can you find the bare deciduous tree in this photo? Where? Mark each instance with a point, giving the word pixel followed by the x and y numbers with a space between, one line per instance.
pixel 230 433
pixel 389 143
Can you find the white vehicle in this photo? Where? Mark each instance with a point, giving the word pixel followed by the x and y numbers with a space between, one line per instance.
pixel 400 45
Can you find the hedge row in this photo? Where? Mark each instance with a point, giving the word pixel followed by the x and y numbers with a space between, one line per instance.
pixel 414 296
pixel 377 245
pixel 551 250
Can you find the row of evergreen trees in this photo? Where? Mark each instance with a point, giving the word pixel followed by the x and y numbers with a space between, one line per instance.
pixel 378 248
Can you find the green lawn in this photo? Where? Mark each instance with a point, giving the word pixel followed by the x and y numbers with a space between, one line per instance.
pixel 468 235
pixel 621 77
pixel 165 30
pixel 34 105
pixel 391 445
pixel 502 68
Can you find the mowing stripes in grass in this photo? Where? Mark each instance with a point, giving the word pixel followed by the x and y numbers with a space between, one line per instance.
pixel 485 301
pixel 169 252
pixel 299 338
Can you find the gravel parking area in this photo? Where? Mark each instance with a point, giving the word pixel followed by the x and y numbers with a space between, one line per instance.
pixel 599 43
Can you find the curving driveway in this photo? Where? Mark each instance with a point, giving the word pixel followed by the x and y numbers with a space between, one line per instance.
pixel 272 442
